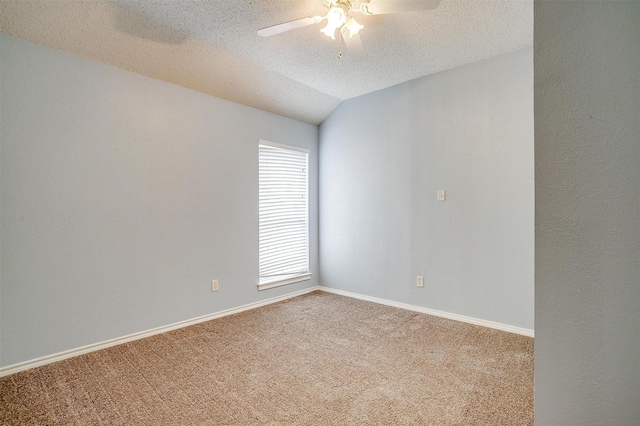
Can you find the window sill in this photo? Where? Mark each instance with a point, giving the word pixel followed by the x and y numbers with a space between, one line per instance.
pixel 289 279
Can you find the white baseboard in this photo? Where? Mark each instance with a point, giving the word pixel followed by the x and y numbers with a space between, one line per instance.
pixel 11 369
pixel 476 321
pixel 15 368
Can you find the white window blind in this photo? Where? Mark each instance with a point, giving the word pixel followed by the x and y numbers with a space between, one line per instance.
pixel 283 214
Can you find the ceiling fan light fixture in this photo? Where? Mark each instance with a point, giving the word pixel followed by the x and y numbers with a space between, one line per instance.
pixel 329 31
pixel 336 17
pixel 352 26
pixel 364 9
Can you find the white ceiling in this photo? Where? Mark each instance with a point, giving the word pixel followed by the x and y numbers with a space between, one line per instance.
pixel 296 74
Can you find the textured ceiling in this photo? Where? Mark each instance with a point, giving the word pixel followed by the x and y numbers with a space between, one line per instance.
pixel 212 46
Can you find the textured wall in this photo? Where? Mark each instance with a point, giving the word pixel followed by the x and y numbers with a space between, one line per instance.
pixel 122 198
pixel 383 156
pixel 587 125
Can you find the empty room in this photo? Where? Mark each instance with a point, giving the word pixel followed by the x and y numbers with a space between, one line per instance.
pixel 319 212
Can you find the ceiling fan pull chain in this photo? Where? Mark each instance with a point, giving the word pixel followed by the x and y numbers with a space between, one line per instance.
pixel 339 40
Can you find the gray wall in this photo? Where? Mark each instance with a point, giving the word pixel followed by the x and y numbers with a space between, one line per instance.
pixel 122 198
pixel 384 155
pixel 587 151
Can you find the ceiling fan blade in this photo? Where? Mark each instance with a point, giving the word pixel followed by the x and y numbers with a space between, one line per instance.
pixel 354 47
pixel 288 26
pixel 379 7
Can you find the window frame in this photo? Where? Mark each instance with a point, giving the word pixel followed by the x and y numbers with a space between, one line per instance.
pixel 264 284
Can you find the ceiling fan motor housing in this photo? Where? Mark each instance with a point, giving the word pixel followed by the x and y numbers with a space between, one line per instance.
pixel 350 4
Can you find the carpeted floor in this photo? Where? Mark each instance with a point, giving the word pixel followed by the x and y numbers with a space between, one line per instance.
pixel 318 359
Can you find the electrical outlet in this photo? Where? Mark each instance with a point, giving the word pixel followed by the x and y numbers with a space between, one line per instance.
pixel 214 285
pixel 420 282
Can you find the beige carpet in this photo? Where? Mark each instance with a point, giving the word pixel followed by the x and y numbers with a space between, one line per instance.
pixel 318 359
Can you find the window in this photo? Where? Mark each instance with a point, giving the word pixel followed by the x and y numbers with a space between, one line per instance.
pixel 283 215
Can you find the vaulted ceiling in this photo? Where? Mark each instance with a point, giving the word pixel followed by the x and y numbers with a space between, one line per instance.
pixel 212 46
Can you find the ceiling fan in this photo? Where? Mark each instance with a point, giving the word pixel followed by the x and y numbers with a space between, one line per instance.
pixel 339 17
